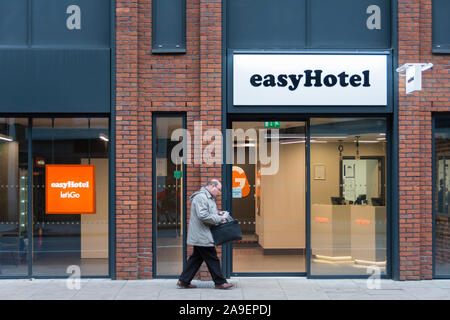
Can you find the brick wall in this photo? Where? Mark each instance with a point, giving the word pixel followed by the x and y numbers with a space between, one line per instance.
pixel 149 83
pixel 415 138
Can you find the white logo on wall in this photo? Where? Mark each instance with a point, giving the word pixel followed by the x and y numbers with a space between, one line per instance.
pixel 374 21
pixel 73 22
pixel 309 80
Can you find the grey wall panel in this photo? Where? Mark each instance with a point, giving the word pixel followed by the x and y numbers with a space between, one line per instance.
pixel 308 24
pixel 67 81
pixel 86 25
pixel 13 22
pixel 264 24
pixel 441 26
pixel 346 24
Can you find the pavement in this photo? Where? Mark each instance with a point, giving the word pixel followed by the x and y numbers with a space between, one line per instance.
pixel 272 288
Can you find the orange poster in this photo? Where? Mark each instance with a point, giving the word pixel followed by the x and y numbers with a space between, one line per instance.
pixel 69 189
pixel 240 181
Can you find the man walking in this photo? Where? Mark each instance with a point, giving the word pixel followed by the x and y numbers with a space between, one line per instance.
pixel 204 214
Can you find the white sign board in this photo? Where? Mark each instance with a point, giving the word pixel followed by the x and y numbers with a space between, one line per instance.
pixel 413 78
pixel 309 80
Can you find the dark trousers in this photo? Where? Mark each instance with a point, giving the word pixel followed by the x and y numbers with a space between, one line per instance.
pixel 209 255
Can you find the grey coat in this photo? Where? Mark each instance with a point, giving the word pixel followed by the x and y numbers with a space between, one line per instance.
pixel 204 214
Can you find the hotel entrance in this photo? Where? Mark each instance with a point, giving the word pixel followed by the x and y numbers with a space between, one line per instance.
pixel 311 197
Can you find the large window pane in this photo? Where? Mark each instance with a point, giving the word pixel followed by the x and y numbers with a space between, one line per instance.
pixel 348 196
pixel 62 240
pixel 442 196
pixel 269 203
pixel 13 197
pixel 169 199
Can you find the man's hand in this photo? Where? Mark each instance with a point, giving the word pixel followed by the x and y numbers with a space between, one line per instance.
pixel 224 215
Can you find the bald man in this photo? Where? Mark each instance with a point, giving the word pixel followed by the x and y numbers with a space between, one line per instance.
pixel 204 214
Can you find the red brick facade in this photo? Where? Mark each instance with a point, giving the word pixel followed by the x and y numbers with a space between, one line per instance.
pixel 192 83
pixel 415 137
pixel 149 83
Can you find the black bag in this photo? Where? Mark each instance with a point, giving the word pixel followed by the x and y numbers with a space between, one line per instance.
pixel 226 232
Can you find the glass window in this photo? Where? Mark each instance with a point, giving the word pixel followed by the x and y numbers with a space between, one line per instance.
pixel 13 197
pixel 348 196
pixel 66 236
pixel 62 240
pixel 442 196
pixel 168 184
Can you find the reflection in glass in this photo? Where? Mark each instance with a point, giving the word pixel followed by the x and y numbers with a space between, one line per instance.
pixel 169 199
pixel 348 206
pixel 13 197
pixel 269 206
pixel 442 196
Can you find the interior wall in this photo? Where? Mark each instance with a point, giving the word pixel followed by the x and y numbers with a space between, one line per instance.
pixel 281 224
pixel 373 177
pixel 327 154
pixel 94 227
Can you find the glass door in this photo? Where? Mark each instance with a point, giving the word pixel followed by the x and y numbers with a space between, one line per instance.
pixel 348 216
pixel 441 253
pixel 269 197
pixel 169 197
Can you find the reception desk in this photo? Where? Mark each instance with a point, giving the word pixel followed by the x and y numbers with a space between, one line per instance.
pixel 368 234
pixel 357 232
pixel 330 230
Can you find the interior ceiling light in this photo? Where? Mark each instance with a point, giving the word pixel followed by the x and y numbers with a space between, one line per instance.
pixel 6 138
pixel 104 137
pixel 241 145
pixel 290 142
pixel 340 149
pixel 319 137
pixel 367 141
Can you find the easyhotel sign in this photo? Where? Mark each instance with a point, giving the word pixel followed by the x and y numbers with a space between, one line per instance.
pixel 308 80
pixel 69 189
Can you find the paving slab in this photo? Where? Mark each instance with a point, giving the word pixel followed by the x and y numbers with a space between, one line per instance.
pixel 336 284
pixel 444 284
pixel 429 293
pixel 246 288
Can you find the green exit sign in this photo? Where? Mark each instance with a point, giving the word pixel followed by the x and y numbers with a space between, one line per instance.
pixel 272 124
pixel 177 174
